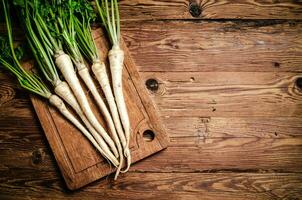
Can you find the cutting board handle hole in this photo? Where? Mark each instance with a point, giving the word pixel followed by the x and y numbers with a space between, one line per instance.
pixel 148 135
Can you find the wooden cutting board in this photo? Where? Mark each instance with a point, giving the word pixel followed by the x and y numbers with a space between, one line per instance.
pixel 78 161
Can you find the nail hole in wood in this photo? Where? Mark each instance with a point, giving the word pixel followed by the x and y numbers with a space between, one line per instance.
pixel 152 84
pixel 194 9
pixel 299 83
pixel 276 64
pixel 148 135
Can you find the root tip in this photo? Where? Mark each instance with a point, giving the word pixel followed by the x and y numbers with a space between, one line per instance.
pixel 128 164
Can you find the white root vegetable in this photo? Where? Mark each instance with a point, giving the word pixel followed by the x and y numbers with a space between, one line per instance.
pixel 62 89
pixel 109 13
pixel 68 25
pixel 88 48
pixel 65 65
pixel 84 74
pixel 99 70
pixel 116 59
pixel 59 104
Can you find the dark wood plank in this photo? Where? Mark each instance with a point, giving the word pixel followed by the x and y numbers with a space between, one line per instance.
pixel 198 79
pixel 235 94
pixel 202 154
pixel 229 186
pixel 226 9
pixel 227 94
pixel 189 153
pixel 28 129
pixel 215 46
pixel 14 102
pixel 234 127
pixel 208 9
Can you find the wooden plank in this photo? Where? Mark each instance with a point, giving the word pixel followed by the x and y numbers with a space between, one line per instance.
pixel 234 127
pixel 229 186
pixel 190 154
pixel 215 46
pixel 25 133
pixel 202 154
pixel 231 79
pixel 227 94
pixel 226 9
pixel 27 129
pixel 13 101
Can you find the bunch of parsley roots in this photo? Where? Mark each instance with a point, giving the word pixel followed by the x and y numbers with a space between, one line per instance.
pixel 58 34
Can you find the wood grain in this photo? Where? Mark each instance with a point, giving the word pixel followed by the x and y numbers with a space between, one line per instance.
pixel 190 154
pixel 232 142
pixel 245 54
pixel 211 9
pixel 201 154
pixel 227 94
pixel 215 46
pixel 234 127
pixel 212 186
pixel 230 85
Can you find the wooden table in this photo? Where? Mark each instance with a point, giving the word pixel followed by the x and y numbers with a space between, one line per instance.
pixel 227 78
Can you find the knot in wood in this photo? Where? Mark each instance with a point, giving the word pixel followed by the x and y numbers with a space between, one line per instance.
pixel 152 84
pixel 194 9
pixel 299 83
pixel 37 156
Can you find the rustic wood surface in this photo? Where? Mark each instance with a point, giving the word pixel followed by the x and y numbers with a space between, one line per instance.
pixel 211 9
pixel 229 94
